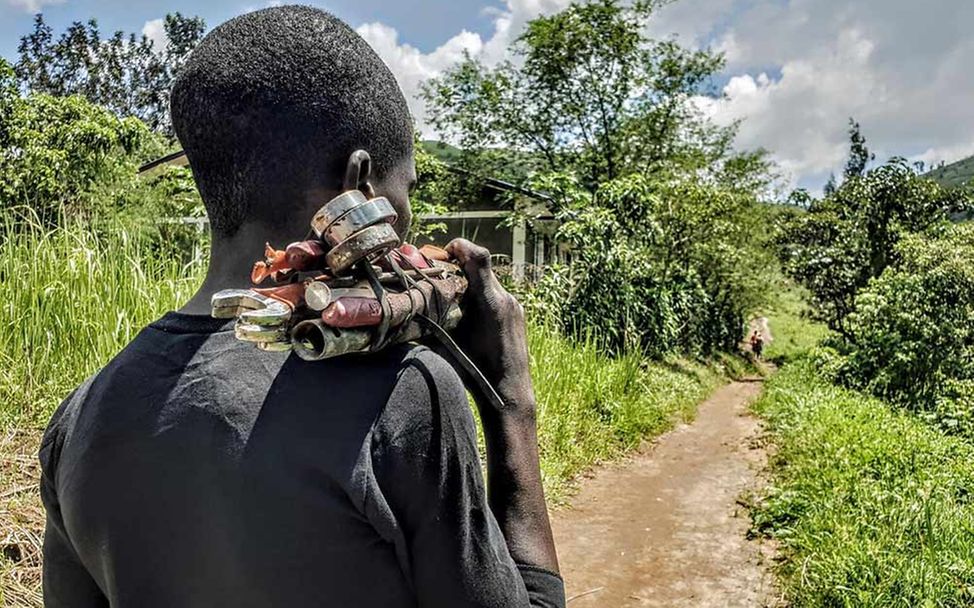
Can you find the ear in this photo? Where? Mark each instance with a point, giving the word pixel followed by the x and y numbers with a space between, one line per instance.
pixel 357 173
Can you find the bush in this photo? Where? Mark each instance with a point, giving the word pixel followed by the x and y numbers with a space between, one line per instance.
pixel 68 159
pixel 657 264
pixel 871 506
pixel 850 237
pixel 911 339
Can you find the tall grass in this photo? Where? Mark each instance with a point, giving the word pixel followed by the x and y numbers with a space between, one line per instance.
pixel 872 506
pixel 71 300
pixel 592 408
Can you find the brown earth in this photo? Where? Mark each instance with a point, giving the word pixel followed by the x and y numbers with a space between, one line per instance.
pixel 21 520
pixel 666 527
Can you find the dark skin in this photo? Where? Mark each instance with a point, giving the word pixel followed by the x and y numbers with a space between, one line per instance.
pixel 492 333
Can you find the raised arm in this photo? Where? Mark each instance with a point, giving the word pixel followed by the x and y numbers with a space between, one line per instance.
pixel 462 547
pixel 494 336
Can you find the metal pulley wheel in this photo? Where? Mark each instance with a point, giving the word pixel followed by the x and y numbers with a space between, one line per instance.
pixel 356 228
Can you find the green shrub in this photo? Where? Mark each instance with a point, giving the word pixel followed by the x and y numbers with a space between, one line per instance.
pixel 911 339
pixel 872 507
pixel 850 237
pixel 657 264
pixel 55 150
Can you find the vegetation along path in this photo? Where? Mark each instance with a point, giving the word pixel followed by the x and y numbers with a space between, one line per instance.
pixel 665 528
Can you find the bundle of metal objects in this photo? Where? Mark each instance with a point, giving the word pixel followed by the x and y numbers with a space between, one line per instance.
pixel 356 262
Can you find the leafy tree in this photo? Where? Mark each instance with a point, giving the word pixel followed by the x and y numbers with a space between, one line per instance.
pixel 658 263
pixel 125 74
pixel 432 183
pixel 55 150
pixel 850 237
pixel 8 98
pixel 859 158
pixel 859 154
pixel 830 186
pixel 588 91
pixel 657 212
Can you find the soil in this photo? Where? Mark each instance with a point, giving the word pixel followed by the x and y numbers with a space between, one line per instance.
pixel 667 527
pixel 21 520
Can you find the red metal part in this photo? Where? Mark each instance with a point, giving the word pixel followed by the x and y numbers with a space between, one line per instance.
pixel 305 255
pixel 274 263
pixel 291 294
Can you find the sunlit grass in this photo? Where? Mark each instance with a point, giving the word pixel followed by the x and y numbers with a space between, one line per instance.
pixel 872 506
pixel 794 334
pixel 592 407
pixel 71 300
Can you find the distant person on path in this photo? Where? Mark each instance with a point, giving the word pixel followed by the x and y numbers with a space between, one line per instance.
pixel 197 471
pixel 757 343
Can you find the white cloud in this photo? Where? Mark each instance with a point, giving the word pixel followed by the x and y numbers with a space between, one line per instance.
pixel 510 22
pixel 267 4
pixel 32 6
pixel 932 157
pixel 801 116
pixel 413 67
pixel 155 31
pixel 796 71
pixel 799 69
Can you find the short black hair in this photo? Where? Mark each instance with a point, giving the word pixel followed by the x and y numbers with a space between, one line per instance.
pixel 280 98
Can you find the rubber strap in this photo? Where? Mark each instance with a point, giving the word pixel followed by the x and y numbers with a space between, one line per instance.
pixel 454 350
pixel 380 338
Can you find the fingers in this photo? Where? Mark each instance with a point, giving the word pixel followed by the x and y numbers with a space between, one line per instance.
pixel 474 259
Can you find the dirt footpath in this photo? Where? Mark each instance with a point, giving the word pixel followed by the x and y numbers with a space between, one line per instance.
pixel 665 528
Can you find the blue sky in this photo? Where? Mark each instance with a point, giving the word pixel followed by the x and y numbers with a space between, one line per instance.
pixel 796 69
pixel 423 23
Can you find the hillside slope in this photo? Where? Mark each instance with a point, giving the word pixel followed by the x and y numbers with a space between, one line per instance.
pixel 954 174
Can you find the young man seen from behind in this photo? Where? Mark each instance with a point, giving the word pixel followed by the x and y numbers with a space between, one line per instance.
pixel 197 471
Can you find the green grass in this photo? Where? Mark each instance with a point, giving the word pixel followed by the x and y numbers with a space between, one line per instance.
pixel 872 507
pixel 793 333
pixel 71 301
pixel 592 408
